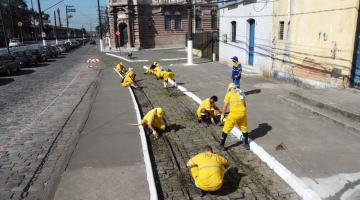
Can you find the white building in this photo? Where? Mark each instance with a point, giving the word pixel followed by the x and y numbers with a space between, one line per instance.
pixel 246 32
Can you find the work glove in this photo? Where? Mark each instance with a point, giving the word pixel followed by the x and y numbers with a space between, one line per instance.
pixel 222 118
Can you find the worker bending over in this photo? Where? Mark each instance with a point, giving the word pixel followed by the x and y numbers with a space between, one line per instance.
pixel 168 74
pixel 207 170
pixel 208 111
pixel 129 79
pixel 158 72
pixel 120 68
pixel 155 121
pixel 150 69
pixel 235 100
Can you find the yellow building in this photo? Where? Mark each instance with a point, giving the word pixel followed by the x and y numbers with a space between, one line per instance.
pixel 314 41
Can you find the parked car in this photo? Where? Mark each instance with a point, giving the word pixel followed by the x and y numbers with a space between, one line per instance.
pixel 25 58
pixel 61 49
pixel 8 64
pixel 93 42
pixel 44 52
pixel 54 53
pixel 15 43
pixel 39 57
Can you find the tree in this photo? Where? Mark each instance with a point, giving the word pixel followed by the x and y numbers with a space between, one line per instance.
pixel 15 11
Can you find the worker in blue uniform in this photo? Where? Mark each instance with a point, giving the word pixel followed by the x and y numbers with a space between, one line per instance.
pixel 236 71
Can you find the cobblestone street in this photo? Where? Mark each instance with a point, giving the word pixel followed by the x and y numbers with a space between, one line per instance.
pixel 36 124
pixel 247 178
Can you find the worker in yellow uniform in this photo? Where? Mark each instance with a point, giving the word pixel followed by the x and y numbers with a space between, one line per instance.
pixel 155 121
pixel 168 74
pixel 129 79
pixel 120 68
pixel 207 170
pixel 158 72
pixel 235 100
pixel 208 111
pixel 150 69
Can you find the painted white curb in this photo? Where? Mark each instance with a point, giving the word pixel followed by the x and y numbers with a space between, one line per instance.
pixel 149 170
pixel 303 190
pixel 127 60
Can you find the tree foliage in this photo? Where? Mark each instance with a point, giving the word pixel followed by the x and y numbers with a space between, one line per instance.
pixel 14 11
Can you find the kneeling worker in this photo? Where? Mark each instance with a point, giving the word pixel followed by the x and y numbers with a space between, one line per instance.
pixel 129 78
pixel 120 68
pixel 168 74
pixel 208 112
pixel 155 121
pixel 150 70
pixel 207 170
pixel 235 100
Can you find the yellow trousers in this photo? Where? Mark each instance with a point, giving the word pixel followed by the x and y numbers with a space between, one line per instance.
pixel 195 175
pixel 239 119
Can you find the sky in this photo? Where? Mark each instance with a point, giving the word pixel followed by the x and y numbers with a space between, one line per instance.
pixel 86 11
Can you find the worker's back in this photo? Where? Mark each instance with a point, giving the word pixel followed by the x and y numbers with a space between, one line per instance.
pixel 237 105
pixel 211 170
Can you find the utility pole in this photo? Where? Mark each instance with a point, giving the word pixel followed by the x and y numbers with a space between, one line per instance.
pixel 100 29
pixel 69 9
pixel 55 29
pixel 41 24
pixel 190 34
pixel 58 12
pixel 33 20
pixel 5 34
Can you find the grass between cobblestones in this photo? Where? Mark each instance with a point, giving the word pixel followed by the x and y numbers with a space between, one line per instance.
pixel 247 178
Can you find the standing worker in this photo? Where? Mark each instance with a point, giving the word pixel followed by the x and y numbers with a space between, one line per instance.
pixel 207 170
pixel 236 71
pixel 208 111
pixel 155 121
pixel 235 100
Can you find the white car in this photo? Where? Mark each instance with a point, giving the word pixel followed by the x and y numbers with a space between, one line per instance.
pixel 15 43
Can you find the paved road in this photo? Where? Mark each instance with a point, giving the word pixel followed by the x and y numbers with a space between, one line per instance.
pixel 34 106
pixel 108 161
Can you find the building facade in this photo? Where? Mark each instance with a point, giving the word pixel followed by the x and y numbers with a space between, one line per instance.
pixel 312 42
pixel 158 23
pixel 246 31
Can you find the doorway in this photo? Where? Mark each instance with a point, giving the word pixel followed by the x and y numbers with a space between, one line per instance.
pixel 251 23
pixel 123 34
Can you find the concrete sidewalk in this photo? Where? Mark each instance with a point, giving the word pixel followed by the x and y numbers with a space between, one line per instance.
pixel 108 161
pixel 323 153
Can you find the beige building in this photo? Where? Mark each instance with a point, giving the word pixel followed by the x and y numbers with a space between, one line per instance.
pixel 314 41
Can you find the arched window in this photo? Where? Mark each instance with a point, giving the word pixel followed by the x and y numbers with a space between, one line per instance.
pixel 233 31
pixel 178 16
pixel 198 19
pixel 167 16
pixel 214 19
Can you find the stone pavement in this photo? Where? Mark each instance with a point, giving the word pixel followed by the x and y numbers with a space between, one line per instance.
pixel 108 161
pixel 321 151
pixel 36 109
pixel 248 177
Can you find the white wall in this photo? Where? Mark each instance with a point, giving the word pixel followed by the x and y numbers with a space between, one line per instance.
pixel 261 12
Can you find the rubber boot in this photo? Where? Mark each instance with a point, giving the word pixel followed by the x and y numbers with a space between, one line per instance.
pixel 246 141
pixel 221 146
